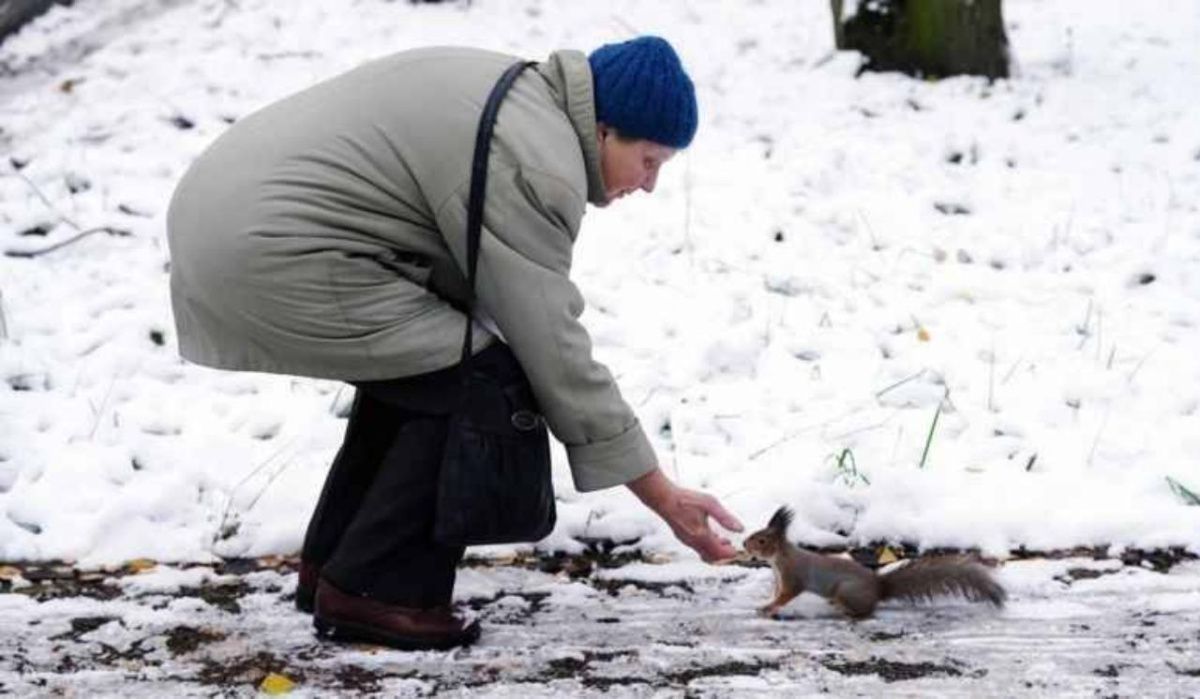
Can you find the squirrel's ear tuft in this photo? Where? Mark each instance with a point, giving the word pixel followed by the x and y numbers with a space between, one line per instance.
pixel 781 520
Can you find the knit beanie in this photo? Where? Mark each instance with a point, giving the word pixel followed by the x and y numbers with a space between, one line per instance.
pixel 642 91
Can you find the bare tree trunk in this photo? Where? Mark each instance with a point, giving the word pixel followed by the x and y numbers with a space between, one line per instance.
pixel 927 38
pixel 839 36
pixel 15 13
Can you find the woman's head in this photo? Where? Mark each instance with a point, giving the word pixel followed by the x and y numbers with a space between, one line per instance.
pixel 645 109
pixel 628 164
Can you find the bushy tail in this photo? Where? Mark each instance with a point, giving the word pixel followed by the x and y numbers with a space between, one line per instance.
pixel 931 577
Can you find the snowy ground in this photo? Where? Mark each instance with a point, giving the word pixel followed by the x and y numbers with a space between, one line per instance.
pixel 1074 627
pixel 800 285
pixel 834 262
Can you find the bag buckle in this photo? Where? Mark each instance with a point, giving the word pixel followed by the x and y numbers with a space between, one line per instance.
pixel 525 420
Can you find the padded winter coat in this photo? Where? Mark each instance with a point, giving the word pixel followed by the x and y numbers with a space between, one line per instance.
pixel 324 236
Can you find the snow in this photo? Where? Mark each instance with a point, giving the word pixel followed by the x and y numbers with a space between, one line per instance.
pixel 1108 630
pixel 799 285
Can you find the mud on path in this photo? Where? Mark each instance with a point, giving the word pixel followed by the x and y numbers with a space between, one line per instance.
pixel 588 625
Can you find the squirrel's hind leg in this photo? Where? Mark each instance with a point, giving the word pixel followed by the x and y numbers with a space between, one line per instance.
pixel 855 598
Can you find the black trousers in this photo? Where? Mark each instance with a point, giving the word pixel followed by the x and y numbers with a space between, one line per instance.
pixel 371 532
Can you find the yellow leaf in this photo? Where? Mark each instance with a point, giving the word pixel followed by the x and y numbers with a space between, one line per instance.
pixel 886 556
pixel 275 683
pixel 507 559
pixel 140 565
pixel 922 334
pixel 9 573
pixel 69 84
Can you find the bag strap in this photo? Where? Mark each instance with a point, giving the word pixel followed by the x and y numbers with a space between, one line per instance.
pixel 479 168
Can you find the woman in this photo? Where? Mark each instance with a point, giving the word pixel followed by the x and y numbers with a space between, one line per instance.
pixel 324 236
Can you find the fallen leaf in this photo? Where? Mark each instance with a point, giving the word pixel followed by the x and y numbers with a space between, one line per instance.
pixel 507 559
pixel 276 683
pixel 922 334
pixel 886 556
pixel 9 573
pixel 69 84
pixel 140 565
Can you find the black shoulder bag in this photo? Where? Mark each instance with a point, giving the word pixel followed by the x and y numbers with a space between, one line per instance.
pixel 494 485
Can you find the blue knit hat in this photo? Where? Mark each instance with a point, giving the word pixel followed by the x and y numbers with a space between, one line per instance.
pixel 643 92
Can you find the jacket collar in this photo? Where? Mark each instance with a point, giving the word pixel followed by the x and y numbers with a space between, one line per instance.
pixel 570 76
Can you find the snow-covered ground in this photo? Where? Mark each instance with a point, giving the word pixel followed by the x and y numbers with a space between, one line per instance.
pixel 834 263
pixel 1073 627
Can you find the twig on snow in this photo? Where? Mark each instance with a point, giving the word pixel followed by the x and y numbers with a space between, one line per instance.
pixel 45 200
pixel 29 254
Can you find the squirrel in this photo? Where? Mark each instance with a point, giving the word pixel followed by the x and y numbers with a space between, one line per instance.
pixel 854 588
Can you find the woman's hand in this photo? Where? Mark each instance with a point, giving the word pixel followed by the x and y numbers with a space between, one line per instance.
pixel 687 513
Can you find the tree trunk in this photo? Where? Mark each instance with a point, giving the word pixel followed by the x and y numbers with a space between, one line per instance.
pixel 15 13
pixel 927 38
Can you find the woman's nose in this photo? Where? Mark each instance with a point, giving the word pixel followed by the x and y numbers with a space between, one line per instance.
pixel 650 181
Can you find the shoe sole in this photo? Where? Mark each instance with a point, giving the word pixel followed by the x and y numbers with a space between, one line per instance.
pixel 349 631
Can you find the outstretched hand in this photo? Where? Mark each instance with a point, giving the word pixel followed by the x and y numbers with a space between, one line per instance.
pixel 687 513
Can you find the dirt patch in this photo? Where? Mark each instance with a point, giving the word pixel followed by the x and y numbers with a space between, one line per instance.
pixel 729 669
pixel 57 582
pixel 224 596
pixel 1161 560
pixel 182 640
pixel 111 656
pixel 534 603
pixel 597 554
pixel 580 669
pixel 892 670
pixel 1074 574
pixel 613 586
pixel 248 670
pixel 83 625
pixel 569 667
pixel 358 679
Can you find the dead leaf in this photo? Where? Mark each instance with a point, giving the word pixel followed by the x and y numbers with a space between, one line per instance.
pixel 9 573
pixel 886 556
pixel 922 334
pixel 140 565
pixel 276 683
pixel 507 559
pixel 69 84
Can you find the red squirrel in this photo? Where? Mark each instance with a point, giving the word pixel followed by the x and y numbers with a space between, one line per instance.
pixel 854 588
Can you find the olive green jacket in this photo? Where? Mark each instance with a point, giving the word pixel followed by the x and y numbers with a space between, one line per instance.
pixel 325 236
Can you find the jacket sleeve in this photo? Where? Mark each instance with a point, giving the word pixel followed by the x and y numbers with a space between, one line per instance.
pixel 530 222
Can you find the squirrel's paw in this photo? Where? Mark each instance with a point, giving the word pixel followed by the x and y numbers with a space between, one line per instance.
pixel 769 611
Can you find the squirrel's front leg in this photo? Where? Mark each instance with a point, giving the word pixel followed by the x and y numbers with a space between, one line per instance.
pixel 782 597
pixel 787 586
pixel 772 608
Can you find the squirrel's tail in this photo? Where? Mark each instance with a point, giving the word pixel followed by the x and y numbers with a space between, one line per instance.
pixel 930 577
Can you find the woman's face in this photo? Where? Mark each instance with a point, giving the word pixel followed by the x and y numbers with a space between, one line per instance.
pixel 628 165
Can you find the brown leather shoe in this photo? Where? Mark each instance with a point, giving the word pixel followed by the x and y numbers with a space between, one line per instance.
pixel 345 617
pixel 306 586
